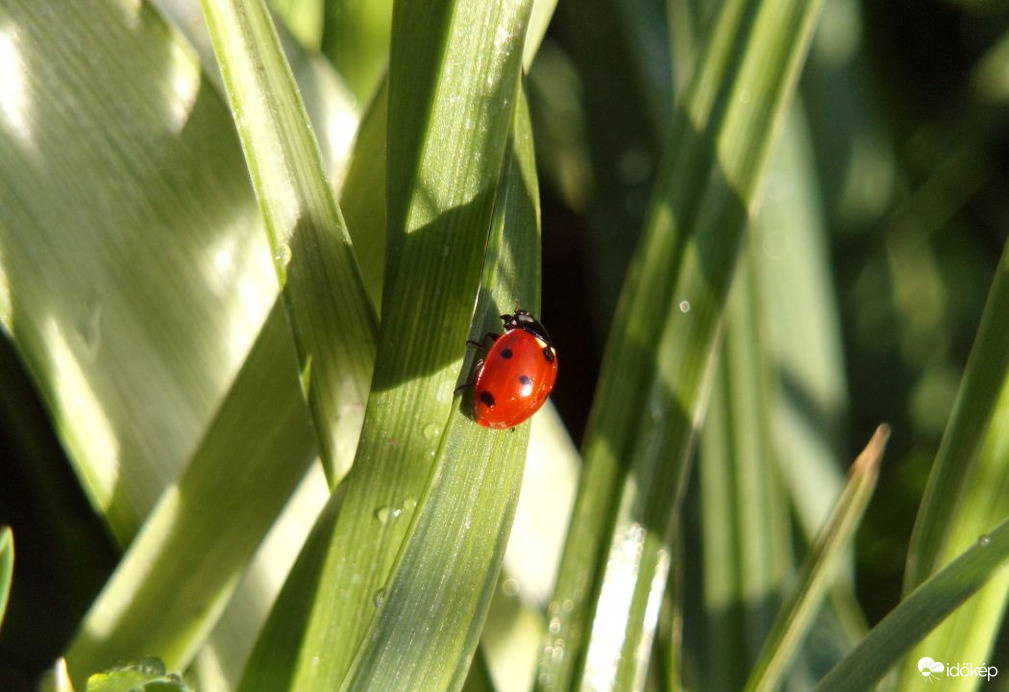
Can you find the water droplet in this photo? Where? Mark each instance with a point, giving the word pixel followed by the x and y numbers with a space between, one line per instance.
pixel 432 431
pixel 684 306
pixel 984 540
pixel 283 255
pixel 379 598
pixel 387 514
pixel 510 587
pixel 555 625
pixel 409 504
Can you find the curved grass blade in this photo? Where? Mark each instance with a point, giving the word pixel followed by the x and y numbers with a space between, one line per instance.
pixel 134 280
pixel 332 321
pixel 180 571
pixel 915 616
pixel 637 445
pixel 797 612
pixel 448 122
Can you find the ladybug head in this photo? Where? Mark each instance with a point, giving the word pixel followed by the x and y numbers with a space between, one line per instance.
pixel 523 319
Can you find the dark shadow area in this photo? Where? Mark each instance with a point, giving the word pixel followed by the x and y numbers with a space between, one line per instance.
pixel 62 553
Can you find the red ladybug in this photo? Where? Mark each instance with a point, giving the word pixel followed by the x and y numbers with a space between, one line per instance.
pixel 517 374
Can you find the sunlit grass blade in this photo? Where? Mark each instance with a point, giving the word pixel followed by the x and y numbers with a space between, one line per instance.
pixel 175 580
pixel 956 461
pixel 155 282
pixel 971 464
pixel 660 353
pixel 923 609
pixel 332 320
pixel 448 122
pixel 432 611
pixel 797 612
pixel 6 568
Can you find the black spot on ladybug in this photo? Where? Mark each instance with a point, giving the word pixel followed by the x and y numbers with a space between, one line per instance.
pixel 524 379
pixel 548 353
pixel 487 398
pixel 506 353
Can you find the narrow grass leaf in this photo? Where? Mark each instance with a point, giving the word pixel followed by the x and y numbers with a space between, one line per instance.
pixel 451 101
pixel 179 573
pixel 955 464
pixel 916 615
pixel 797 613
pixel 744 524
pixel 982 478
pixel 6 568
pixel 333 323
pixel 661 350
pixel 432 611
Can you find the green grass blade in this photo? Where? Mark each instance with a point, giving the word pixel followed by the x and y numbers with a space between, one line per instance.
pixel 154 278
pixel 448 123
pixel 797 613
pixel 955 463
pixel 433 609
pixel 651 394
pixel 923 609
pixel 333 323
pixel 178 574
pixel 978 428
pixel 747 541
pixel 6 568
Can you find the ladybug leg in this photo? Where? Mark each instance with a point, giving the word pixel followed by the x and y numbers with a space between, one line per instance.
pixel 483 342
pixel 469 385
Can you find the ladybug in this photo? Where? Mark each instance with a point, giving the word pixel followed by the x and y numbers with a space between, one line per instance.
pixel 517 374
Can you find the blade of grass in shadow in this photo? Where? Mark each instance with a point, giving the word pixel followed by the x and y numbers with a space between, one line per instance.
pixel 6 568
pixel 916 615
pixel 178 574
pixel 451 101
pixel 363 195
pixel 432 611
pixel 660 354
pixel 797 613
pixel 971 461
pixel 747 540
pixel 333 323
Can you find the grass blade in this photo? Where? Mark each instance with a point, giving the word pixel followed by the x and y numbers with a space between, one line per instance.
pixel 333 323
pixel 797 613
pixel 432 612
pixel 651 395
pixel 926 606
pixel 448 123
pixel 180 571
pixel 6 568
pixel 968 489
pixel 139 313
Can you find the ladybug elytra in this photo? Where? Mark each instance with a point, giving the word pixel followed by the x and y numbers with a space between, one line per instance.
pixel 517 374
